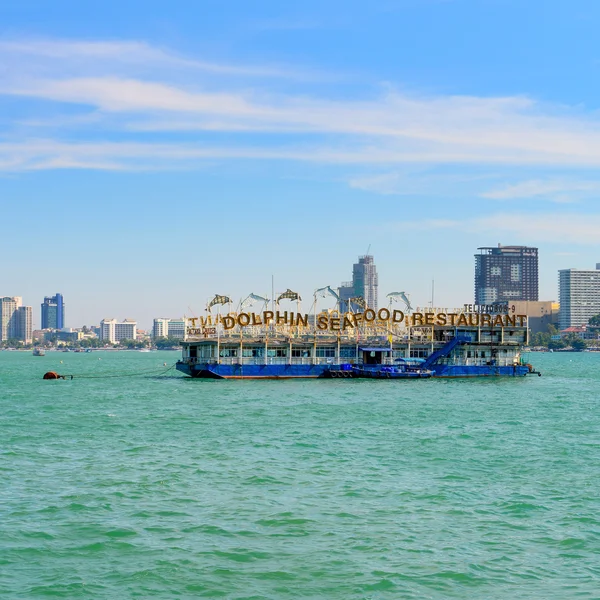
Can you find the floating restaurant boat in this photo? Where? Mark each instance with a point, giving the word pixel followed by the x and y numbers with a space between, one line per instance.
pixel 472 341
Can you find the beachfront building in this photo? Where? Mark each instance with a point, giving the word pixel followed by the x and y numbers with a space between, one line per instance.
pixel 53 312
pixel 539 314
pixel 506 274
pixel 173 328
pixel 15 319
pixel 8 310
pixel 579 296
pixel 160 328
pixel 25 324
pixel 113 331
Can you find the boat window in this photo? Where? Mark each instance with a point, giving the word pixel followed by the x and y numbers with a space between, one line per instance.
pixel 301 352
pixel 276 352
pixel 228 352
pixel 419 353
pixel 325 352
pixel 253 352
pixel 208 351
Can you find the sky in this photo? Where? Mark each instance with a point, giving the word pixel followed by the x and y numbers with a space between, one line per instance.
pixel 154 154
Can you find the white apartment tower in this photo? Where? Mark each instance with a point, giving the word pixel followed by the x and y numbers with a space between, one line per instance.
pixel 174 328
pixel 579 296
pixel 15 319
pixel 107 330
pixel 25 324
pixel 113 331
pixel 160 328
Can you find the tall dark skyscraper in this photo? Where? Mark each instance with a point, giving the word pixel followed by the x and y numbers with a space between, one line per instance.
pixel 506 273
pixel 53 312
pixel 364 282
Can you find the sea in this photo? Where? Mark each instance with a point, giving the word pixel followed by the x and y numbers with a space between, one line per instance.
pixel 133 481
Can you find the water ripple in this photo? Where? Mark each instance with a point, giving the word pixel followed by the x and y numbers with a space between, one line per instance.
pixel 172 488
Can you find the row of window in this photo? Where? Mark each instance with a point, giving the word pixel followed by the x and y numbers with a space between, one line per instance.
pixel 259 352
pixel 321 352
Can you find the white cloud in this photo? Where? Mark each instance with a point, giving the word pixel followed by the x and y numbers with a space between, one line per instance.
pixel 96 55
pixel 569 228
pixel 118 83
pixel 403 129
pixel 386 183
pixel 420 181
pixel 555 190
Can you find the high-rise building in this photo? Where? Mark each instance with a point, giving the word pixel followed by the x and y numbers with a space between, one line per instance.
pixel 579 296
pixel 346 293
pixel 127 330
pixel 364 283
pixel 160 328
pixel 15 319
pixel 8 317
pixel 107 330
pixel 365 280
pixel 173 328
pixel 25 324
pixel 505 274
pixel 113 331
pixel 53 312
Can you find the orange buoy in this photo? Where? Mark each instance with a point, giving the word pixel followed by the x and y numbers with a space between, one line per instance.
pixel 51 375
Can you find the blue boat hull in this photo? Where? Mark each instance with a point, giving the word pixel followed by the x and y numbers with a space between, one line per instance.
pixel 214 371
pixel 219 371
pixel 479 371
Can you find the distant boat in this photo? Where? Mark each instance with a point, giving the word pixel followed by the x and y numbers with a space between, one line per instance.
pixel 39 352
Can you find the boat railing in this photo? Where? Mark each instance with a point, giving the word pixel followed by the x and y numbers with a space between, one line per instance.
pixel 474 362
pixel 284 360
pixel 271 360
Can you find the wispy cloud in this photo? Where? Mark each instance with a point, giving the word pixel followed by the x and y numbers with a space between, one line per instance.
pixel 385 183
pixel 453 129
pixel 420 181
pixel 119 84
pixel 570 228
pixel 554 190
pixel 80 55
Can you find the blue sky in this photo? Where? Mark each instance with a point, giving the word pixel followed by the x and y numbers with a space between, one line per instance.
pixel 153 154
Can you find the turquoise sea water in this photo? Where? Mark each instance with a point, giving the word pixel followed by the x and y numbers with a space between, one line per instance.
pixel 167 487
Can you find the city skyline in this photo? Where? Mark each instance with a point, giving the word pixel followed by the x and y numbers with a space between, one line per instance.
pixel 201 151
pixel 507 255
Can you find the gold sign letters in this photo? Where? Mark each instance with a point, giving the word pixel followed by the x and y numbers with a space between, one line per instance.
pixel 343 321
